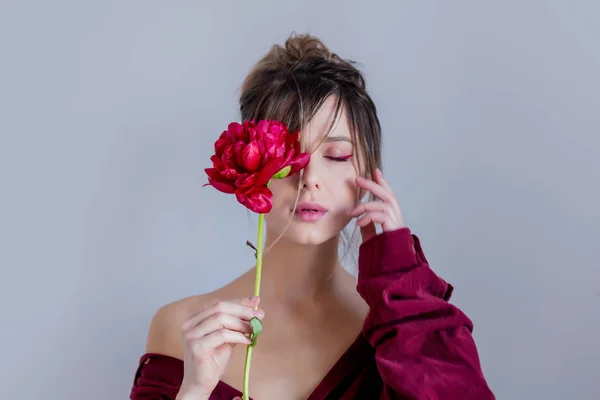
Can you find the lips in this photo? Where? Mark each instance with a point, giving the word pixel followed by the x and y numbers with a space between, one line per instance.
pixel 310 207
pixel 310 212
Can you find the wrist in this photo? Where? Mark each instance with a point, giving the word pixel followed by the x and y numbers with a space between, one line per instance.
pixel 186 393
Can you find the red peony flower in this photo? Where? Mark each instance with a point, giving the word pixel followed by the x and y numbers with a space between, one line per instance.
pixel 247 156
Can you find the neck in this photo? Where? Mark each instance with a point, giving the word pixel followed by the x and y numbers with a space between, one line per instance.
pixel 295 274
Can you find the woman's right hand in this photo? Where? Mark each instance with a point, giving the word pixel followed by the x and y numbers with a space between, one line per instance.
pixel 209 338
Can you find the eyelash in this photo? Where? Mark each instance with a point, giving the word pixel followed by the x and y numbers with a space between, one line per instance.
pixel 340 159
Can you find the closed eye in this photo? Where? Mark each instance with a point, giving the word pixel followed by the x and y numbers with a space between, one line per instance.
pixel 339 159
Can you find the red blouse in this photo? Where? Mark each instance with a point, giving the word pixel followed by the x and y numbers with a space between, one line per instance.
pixel 414 344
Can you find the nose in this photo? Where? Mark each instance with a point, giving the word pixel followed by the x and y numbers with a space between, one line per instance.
pixel 310 177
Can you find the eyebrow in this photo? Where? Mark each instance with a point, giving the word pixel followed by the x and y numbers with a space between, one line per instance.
pixel 338 139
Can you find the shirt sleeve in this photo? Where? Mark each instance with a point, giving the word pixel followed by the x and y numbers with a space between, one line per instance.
pixel 423 344
pixel 158 377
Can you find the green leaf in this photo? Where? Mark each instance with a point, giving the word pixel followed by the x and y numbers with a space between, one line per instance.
pixel 283 173
pixel 256 326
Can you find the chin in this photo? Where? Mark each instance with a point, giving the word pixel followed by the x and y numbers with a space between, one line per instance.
pixel 310 238
pixel 309 234
pixel 306 235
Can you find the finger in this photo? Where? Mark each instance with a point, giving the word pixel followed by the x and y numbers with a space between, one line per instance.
pixel 212 341
pixel 216 322
pixel 377 206
pixel 381 180
pixel 234 308
pixel 375 188
pixel 374 217
pixel 367 229
pixel 252 301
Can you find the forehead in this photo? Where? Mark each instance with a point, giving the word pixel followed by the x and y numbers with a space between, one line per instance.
pixel 323 124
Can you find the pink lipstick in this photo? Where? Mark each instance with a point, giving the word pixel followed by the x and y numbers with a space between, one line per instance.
pixel 310 212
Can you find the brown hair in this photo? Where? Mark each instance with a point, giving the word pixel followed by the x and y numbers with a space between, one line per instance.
pixel 291 82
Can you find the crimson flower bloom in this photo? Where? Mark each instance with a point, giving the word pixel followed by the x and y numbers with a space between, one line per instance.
pixel 247 156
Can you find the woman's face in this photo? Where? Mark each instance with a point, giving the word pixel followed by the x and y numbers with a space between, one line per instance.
pixel 328 188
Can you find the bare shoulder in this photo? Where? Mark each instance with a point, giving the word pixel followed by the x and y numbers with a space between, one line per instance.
pixel 164 334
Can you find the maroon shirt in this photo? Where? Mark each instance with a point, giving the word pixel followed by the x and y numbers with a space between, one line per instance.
pixel 414 344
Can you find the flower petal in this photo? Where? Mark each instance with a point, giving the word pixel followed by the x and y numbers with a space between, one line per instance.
pixel 237 130
pixel 217 163
pixel 224 140
pixel 299 162
pixel 222 187
pixel 272 167
pixel 230 172
pixel 259 200
pixel 250 157
pixel 214 174
pixel 245 182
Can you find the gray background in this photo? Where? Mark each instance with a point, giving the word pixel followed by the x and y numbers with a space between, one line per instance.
pixel 109 109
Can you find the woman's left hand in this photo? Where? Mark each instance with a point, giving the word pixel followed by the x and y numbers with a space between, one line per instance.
pixel 384 211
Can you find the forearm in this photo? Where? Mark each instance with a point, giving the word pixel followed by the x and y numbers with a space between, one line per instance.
pixel 424 348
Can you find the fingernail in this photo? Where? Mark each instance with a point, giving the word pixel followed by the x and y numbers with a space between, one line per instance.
pixel 253 299
pixel 259 313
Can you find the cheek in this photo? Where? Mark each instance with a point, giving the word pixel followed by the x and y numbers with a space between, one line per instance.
pixel 284 191
pixel 276 188
pixel 348 187
pixel 280 186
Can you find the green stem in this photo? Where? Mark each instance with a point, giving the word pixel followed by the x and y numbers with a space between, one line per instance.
pixel 259 247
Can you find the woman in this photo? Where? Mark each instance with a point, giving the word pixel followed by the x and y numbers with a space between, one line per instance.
pixel 391 334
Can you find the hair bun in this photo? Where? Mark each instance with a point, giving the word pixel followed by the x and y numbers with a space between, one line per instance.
pixel 299 47
pixel 301 52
